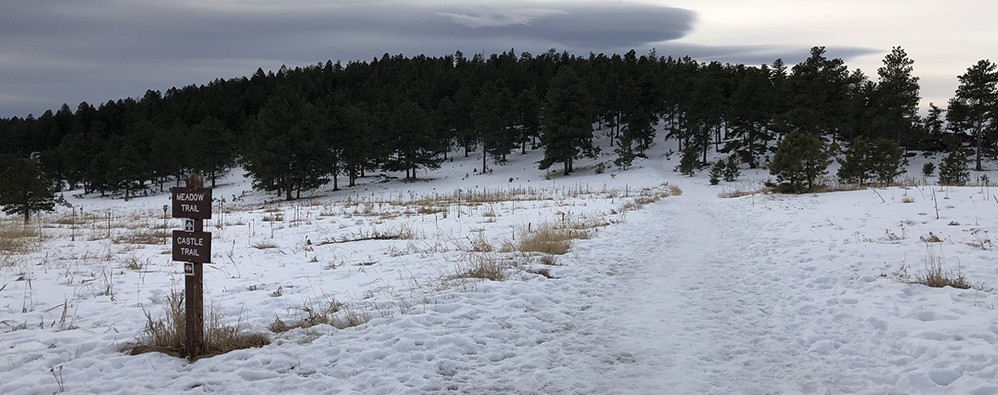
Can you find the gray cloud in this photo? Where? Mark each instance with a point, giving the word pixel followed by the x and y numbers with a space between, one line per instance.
pixel 53 52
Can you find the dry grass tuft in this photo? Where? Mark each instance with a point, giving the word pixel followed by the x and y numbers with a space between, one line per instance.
pixel 549 260
pixel 484 266
pixel 936 277
pixel 267 244
pixel 931 238
pixel 542 271
pixel 331 313
pixel 737 193
pixel 551 240
pixel 141 236
pixel 480 244
pixel 15 238
pixel 168 334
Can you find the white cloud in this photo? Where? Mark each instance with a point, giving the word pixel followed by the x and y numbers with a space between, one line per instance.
pixel 498 18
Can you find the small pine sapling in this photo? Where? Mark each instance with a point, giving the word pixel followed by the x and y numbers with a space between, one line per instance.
pixel 688 162
pixel 928 168
pixel 731 170
pixel 716 172
pixel 954 170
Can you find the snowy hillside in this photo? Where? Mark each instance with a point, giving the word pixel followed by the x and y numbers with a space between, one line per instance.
pixel 668 288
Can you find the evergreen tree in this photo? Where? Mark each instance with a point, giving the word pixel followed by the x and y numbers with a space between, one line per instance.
pixel 568 131
pixel 751 111
pixel 464 124
pixel 953 170
pixel 731 170
pixel 410 141
pixel 214 148
pixel 975 106
pixel 26 190
pixel 355 142
pixel 801 158
pixel 817 89
pixel 493 121
pixel 934 120
pixel 896 96
pixel 528 117
pixel 887 161
pixel 881 160
pixel 625 152
pixel 716 172
pixel 855 167
pixel 285 151
pixel 688 161
pixel 928 168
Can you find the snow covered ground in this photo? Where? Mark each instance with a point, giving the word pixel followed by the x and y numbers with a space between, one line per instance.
pixel 688 293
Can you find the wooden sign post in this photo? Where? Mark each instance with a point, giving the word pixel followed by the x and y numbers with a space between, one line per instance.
pixel 192 245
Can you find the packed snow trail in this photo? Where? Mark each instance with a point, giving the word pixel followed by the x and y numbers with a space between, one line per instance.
pixel 695 308
pixel 691 314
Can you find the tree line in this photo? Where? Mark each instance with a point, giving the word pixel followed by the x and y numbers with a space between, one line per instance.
pixel 297 129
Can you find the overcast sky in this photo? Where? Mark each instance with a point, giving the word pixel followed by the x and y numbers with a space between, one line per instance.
pixel 68 51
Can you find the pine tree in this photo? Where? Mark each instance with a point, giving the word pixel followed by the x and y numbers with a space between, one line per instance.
pixel 928 168
pixel 800 159
pixel 411 141
pixel 26 190
pixel 887 161
pixel 731 170
pixel 953 170
pixel 528 118
pixel 568 132
pixel 286 150
pixel 716 172
pixel 896 97
pixel 689 160
pixel 817 89
pixel 854 167
pixel 881 160
pixel 934 120
pixel 493 121
pixel 975 106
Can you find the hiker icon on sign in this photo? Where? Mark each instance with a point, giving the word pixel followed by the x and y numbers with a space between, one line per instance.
pixel 188 225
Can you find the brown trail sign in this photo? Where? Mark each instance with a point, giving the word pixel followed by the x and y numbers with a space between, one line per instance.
pixel 193 247
pixel 191 202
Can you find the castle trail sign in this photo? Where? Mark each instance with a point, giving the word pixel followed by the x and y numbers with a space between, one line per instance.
pixel 192 246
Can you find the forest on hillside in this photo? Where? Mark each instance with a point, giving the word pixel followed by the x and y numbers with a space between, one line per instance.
pixel 297 129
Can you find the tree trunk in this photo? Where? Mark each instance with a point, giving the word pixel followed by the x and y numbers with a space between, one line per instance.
pixel 336 185
pixel 485 155
pixel 980 138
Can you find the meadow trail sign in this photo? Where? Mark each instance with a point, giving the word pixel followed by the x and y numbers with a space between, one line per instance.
pixel 191 202
pixel 192 245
